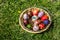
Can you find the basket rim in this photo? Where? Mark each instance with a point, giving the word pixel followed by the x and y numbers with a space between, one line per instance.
pixel 22 26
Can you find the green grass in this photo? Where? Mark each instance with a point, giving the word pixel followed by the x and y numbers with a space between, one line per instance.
pixel 9 23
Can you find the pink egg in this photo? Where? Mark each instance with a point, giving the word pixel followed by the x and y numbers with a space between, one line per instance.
pixel 25 22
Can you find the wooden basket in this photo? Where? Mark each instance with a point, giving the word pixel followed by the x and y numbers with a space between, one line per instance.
pixel 31 31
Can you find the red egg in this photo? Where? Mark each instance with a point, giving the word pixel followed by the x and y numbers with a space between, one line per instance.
pixel 41 26
pixel 35 12
pixel 44 17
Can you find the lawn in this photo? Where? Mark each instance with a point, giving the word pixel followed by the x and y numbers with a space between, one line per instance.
pixel 9 19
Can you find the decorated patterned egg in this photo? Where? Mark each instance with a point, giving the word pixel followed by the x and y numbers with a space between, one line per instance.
pixel 25 16
pixel 46 22
pixel 25 22
pixel 35 28
pixel 44 17
pixel 40 14
pixel 35 12
pixel 41 26
pixel 34 18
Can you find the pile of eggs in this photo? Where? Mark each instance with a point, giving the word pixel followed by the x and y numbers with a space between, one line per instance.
pixel 35 19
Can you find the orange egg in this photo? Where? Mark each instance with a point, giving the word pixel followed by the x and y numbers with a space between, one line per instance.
pixel 35 12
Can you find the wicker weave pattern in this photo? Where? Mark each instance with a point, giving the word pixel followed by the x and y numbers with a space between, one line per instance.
pixel 31 31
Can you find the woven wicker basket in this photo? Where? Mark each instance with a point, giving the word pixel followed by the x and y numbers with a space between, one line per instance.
pixel 31 31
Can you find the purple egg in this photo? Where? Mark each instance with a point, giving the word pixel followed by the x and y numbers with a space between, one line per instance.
pixel 46 22
pixel 40 14
pixel 25 16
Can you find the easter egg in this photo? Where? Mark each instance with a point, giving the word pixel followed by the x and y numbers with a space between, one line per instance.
pixel 34 18
pixel 46 22
pixel 37 22
pixel 29 13
pixel 29 26
pixel 25 22
pixel 44 17
pixel 41 26
pixel 35 28
pixel 40 14
pixel 25 16
pixel 35 12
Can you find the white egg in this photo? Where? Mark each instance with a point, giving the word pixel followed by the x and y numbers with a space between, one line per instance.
pixel 25 16
pixel 36 28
